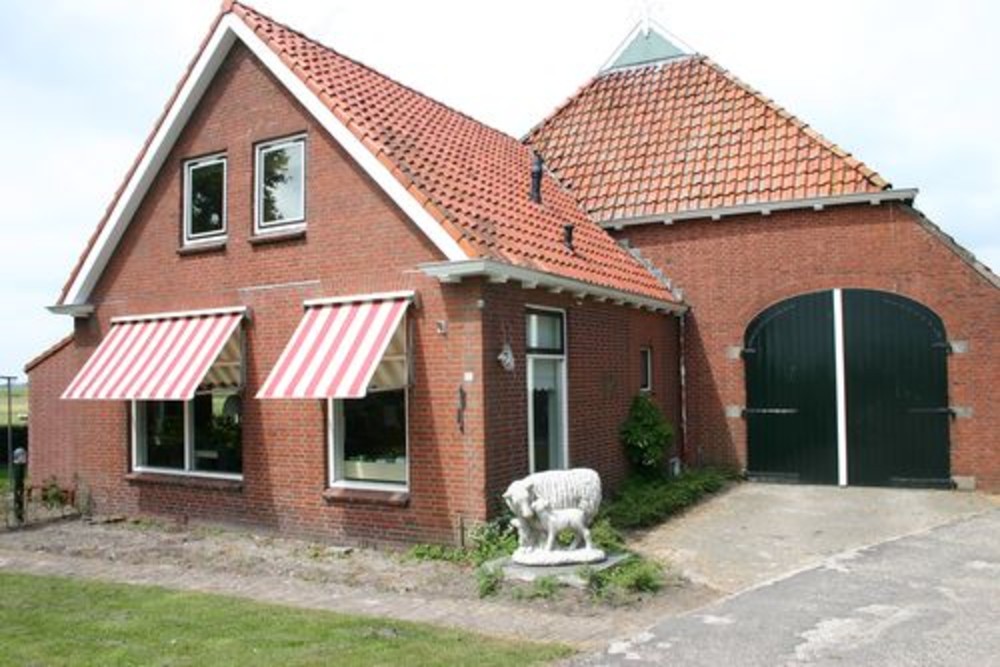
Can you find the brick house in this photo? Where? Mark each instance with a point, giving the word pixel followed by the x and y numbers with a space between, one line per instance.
pixel 324 303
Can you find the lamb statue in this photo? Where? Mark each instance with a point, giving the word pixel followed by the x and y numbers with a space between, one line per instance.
pixel 546 503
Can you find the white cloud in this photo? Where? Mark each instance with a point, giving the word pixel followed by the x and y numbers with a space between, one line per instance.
pixel 913 88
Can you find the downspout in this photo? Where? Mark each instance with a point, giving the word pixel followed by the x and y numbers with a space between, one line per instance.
pixel 682 354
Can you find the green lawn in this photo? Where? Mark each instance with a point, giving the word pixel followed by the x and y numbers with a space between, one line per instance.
pixel 56 621
pixel 19 403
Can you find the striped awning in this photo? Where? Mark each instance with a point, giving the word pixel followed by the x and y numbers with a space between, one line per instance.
pixel 336 348
pixel 158 357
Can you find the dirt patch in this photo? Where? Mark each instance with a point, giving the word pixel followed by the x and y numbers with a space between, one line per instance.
pixel 242 554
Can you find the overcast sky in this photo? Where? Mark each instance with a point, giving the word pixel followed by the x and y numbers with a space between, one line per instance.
pixel 913 88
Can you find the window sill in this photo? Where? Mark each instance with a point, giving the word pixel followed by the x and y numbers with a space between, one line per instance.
pixel 200 248
pixel 280 236
pixel 353 496
pixel 190 481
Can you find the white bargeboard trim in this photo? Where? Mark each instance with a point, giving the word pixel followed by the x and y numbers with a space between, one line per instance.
pixel 230 29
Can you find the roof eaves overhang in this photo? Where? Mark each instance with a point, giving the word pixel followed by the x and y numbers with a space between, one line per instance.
pixel 500 272
pixel 228 31
pixel 906 195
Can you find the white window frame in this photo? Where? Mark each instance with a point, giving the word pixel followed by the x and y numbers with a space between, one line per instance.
pixel 188 448
pixel 335 447
pixel 259 226
pixel 190 238
pixel 564 377
pixel 335 429
pixel 646 358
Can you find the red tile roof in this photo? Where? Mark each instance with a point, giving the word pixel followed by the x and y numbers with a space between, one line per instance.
pixel 472 179
pixel 683 135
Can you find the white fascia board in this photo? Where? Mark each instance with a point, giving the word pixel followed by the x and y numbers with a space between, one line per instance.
pixel 80 310
pixel 404 295
pixel 452 272
pixel 230 29
pixel 232 310
pixel 765 208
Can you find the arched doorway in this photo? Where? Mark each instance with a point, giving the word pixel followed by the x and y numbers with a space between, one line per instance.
pixel 850 387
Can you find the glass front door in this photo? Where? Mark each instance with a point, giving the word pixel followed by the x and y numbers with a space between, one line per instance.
pixel 547 392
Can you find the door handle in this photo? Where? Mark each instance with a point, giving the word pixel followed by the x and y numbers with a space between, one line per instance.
pixel 770 411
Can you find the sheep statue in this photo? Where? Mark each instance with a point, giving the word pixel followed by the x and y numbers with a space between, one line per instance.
pixel 546 503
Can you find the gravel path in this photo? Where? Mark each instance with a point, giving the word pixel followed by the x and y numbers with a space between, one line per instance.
pixel 320 576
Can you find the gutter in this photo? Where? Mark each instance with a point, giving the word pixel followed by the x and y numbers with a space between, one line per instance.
pixel 500 272
pixel 764 208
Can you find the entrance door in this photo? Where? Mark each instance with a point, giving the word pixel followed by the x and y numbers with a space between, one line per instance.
pixel 897 391
pixel 848 386
pixel 791 391
pixel 546 359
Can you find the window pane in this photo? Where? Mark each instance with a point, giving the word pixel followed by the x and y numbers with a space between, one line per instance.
pixel 161 431
pixel 206 201
pixel 375 437
pixel 218 442
pixel 545 331
pixel 546 411
pixel 281 196
pixel 645 358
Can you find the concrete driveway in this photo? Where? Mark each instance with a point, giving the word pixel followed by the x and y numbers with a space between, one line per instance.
pixel 755 533
pixel 931 598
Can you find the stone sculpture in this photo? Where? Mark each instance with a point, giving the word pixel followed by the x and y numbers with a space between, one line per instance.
pixel 546 503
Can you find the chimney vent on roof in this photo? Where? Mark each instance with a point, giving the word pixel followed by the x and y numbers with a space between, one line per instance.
pixel 536 179
pixel 568 236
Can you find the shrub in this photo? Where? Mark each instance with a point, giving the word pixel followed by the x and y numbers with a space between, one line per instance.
pixel 543 588
pixel 491 540
pixel 487 541
pixel 646 501
pixel 606 536
pixel 630 577
pixel 53 495
pixel 646 434
pixel 488 579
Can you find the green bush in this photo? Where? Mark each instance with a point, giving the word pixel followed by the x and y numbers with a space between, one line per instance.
pixel 487 541
pixel 488 579
pixel 606 536
pixel 646 501
pixel 646 434
pixel 632 576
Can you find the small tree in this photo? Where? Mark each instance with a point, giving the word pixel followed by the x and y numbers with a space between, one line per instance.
pixel 646 434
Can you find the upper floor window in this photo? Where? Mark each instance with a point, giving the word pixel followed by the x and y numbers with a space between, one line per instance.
pixel 205 198
pixel 281 183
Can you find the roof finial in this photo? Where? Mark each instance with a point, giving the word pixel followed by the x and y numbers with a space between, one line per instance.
pixel 646 19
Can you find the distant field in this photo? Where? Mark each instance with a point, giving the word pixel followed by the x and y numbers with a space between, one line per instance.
pixel 20 404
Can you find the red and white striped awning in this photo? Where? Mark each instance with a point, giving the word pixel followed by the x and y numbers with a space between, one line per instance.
pixel 156 357
pixel 336 348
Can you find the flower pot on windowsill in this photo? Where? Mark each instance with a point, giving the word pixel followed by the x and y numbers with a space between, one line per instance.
pixel 375 471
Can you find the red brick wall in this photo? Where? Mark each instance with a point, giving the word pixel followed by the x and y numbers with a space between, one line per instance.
pixel 357 241
pixel 733 268
pixel 48 424
pixel 603 374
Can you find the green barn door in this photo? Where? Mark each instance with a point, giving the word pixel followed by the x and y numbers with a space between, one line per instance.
pixel 791 391
pixel 897 391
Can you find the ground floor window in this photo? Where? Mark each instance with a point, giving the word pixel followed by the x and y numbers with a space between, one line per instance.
pixel 369 436
pixel 202 435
